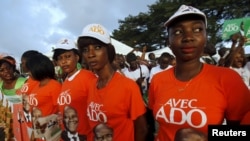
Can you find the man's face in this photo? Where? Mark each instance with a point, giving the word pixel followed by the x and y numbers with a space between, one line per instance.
pixel 70 120
pixel 164 63
pixel 26 105
pixel 102 133
pixel 133 65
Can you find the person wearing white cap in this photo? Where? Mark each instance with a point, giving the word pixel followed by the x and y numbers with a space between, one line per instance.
pixel 75 86
pixel 192 94
pixel 113 98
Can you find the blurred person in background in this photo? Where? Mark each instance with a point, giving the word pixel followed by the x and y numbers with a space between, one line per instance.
pixel 137 72
pixel 11 82
pixel 163 64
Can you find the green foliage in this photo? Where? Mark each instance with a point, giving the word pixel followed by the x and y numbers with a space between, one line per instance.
pixel 147 28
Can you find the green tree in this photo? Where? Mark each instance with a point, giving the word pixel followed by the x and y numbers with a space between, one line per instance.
pixel 147 28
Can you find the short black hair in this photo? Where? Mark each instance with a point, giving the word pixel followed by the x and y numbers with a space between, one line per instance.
pixel 58 52
pixel 41 67
pixel 131 57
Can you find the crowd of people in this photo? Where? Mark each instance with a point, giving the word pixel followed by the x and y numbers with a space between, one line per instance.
pixel 88 92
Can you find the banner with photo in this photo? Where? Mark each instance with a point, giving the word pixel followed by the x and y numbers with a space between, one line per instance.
pixel 9 117
pixel 18 128
pixel 236 26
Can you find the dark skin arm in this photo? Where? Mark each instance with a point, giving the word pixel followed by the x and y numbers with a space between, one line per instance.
pixel 144 49
pixel 234 49
pixel 140 127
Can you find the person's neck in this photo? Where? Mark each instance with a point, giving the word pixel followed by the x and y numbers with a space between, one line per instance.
pixel 44 82
pixel 134 68
pixel 72 73
pixel 104 77
pixel 187 72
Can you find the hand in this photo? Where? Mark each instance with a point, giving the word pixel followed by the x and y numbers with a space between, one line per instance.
pixel 243 40
pixel 235 37
pixel 140 80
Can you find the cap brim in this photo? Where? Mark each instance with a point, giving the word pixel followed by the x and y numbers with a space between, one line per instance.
pixel 167 23
pixel 96 36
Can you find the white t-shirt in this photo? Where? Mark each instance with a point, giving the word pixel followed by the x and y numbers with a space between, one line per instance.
pixel 245 75
pixel 134 75
pixel 156 70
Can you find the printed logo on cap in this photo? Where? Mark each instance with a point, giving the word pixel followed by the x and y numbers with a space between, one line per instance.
pixel 66 44
pixel 189 8
pixel 65 41
pixel 184 10
pixel 97 29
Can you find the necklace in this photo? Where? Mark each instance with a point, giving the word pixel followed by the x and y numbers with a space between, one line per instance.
pixel 101 83
pixel 181 89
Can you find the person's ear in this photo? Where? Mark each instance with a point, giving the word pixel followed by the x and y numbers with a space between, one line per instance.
pixel 77 58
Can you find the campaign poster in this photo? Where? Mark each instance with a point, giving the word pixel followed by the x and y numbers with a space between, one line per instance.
pixel 18 128
pixel 239 26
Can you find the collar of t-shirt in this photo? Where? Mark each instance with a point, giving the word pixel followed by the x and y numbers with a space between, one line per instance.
pixel 73 76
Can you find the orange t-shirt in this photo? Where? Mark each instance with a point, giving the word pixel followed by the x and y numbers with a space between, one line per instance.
pixel 74 93
pixel 118 104
pixel 45 98
pixel 213 94
pixel 28 86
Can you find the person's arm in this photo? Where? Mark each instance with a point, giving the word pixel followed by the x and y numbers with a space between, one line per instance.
pixel 144 49
pixel 234 49
pixel 133 50
pixel 234 39
pixel 229 58
pixel 140 128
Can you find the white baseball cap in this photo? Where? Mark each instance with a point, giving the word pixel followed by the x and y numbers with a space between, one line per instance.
pixel 96 31
pixel 185 10
pixel 66 44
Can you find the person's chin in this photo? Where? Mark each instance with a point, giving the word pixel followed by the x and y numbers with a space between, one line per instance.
pixel 72 128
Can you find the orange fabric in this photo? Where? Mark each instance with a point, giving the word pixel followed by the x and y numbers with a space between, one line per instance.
pixel 246 119
pixel 215 92
pixel 118 105
pixel 45 97
pixel 74 93
pixel 28 86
